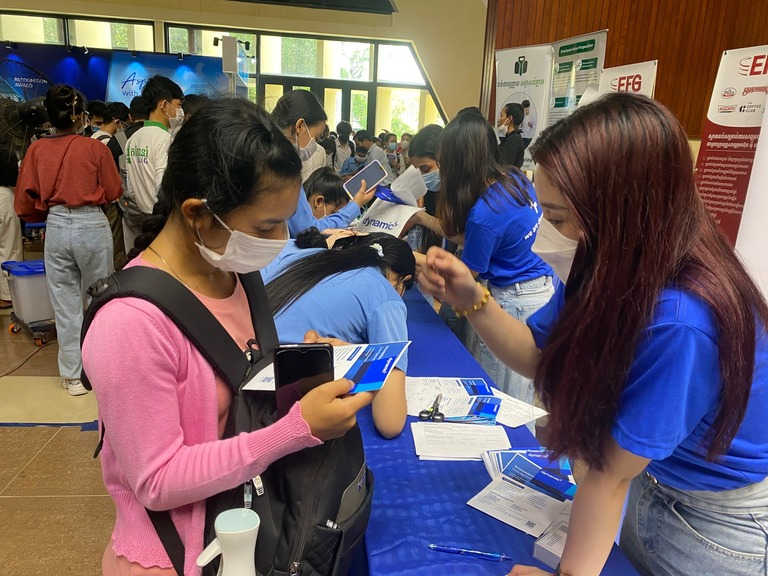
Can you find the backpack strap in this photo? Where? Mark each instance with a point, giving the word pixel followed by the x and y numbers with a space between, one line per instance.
pixel 205 332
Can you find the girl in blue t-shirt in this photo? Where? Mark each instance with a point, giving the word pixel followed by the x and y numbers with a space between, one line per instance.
pixel 652 359
pixel 350 291
pixel 496 212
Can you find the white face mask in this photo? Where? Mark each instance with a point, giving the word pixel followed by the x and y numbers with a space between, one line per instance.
pixel 243 253
pixel 555 249
pixel 307 151
pixel 177 120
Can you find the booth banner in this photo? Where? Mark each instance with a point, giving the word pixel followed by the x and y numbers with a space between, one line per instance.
pixel 525 74
pixel 637 78
pixel 195 74
pixel 730 134
pixel 752 239
pixel 576 66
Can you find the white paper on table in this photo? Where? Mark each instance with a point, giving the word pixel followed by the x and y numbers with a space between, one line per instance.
pixel 551 544
pixel 344 357
pixel 514 412
pixel 420 393
pixel 457 441
pixel 517 505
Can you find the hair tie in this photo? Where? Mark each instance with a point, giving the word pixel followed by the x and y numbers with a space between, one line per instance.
pixel 379 250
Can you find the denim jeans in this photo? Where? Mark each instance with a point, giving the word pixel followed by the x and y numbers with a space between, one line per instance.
pixel 669 532
pixel 78 251
pixel 519 300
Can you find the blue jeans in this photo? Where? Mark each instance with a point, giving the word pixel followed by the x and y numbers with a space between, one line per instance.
pixel 669 532
pixel 78 251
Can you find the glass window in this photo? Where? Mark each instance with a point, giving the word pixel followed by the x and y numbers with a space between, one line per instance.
pixel 358 109
pixel 398 65
pixel 272 93
pixel 332 104
pixel 201 42
pixel 35 29
pixel 315 58
pixel 401 110
pixel 111 35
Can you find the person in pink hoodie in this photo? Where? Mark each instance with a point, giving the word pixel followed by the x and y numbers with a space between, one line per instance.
pixel 232 181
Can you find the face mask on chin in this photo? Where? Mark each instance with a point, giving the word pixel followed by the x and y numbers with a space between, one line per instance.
pixel 243 253
pixel 555 249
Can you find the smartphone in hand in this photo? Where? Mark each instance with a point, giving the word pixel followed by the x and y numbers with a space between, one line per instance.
pixel 298 369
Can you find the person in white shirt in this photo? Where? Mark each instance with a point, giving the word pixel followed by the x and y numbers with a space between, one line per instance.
pixel 344 146
pixel 364 141
pixel 10 227
pixel 147 153
pixel 105 119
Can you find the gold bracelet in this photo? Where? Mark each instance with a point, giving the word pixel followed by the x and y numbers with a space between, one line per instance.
pixel 475 307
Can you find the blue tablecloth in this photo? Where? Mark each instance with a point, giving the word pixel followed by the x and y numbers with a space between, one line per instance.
pixel 417 502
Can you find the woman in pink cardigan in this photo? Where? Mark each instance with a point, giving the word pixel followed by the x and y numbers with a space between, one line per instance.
pixel 231 183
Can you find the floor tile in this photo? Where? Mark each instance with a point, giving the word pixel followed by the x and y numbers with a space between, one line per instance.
pixel 61 536
pixel 64 467
pixel 17 447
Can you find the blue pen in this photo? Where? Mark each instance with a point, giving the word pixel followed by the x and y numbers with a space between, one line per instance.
pixel 494 556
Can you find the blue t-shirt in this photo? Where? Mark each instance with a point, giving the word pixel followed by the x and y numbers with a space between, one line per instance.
pixel 357 306
pixel 499 235
pixel 672 393
pixel 303 217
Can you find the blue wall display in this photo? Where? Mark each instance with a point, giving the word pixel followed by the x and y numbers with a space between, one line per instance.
pixel 195 74
pixel 28 70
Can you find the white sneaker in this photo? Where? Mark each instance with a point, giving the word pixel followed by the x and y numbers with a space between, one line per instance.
pixel 74 387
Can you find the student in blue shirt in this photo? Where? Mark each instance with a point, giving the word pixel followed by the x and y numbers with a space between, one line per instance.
pixel 496 211
pixel 653 357
pixel 325 192
pixel 302 119
pixel 351 292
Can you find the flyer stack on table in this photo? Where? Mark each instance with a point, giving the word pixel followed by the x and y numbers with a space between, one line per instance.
pixel 417 503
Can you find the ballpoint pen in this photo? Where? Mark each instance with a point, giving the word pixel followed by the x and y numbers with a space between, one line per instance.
pixel 494 556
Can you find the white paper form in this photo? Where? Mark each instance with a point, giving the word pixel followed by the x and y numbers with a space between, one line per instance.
pixel 514 412
pixel 442 440
pixel 516 505
pixel 550 545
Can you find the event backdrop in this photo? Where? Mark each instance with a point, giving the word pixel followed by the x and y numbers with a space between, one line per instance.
pixel 28 70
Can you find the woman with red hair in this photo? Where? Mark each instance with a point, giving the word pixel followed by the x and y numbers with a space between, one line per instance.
pixel 652 358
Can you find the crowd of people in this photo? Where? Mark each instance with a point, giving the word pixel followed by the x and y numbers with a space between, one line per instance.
pixel 603 293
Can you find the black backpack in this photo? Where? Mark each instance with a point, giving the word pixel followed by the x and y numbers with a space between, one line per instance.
pixel 314 504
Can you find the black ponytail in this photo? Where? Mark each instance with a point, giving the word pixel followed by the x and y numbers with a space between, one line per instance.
pixel 221 154
pixel 381 251
pixel 62 102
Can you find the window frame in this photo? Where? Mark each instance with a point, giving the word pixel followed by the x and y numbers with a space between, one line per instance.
pixel 371 85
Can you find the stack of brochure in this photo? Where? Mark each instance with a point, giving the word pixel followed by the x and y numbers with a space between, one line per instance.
pixel 469 400
pixel 529 490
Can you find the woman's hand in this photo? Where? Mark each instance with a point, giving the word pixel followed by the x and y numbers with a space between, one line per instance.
pixel 313 337
pixel 364 195
pixel 329 412
pixel 521 570
pixel 449 280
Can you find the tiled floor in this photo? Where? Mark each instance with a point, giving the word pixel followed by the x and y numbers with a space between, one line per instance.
pixel 56 515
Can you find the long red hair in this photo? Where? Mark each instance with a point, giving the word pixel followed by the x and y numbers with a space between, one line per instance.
pixel 624 165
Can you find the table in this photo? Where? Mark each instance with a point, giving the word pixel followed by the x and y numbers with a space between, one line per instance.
pixel 417 502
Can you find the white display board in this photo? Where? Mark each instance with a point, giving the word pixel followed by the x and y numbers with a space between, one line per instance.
pixel 637 78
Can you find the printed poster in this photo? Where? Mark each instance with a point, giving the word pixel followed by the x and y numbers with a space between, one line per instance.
pixel 753 233
pixel 523 75
pixel 730 135
pixel 577 65
pixel 636 78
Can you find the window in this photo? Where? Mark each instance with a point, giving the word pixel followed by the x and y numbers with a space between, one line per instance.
pixel 316 58
pixel 111 35
pixel 332 103
pixel 35 29
pixel 397 65
pixel 401 110
pixel 200 41
pixel 358 110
